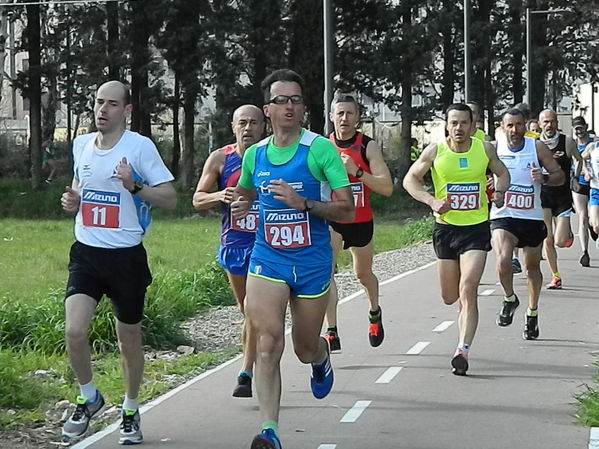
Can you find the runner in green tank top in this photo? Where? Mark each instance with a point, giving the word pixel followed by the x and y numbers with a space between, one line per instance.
pixel 461 236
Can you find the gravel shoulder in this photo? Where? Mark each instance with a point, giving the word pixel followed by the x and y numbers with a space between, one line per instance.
pixel 214 331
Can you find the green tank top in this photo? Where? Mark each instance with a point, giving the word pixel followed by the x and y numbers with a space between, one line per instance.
pixel 460 178
pixel 480 134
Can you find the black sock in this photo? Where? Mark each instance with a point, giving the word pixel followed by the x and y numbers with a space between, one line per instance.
pixel 332 329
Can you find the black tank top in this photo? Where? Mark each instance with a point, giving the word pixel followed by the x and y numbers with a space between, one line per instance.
pixel 561 157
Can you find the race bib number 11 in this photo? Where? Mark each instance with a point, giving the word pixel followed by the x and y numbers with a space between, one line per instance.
pixel 100 209
pixel 464 196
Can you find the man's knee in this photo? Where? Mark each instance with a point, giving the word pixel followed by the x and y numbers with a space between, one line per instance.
pixel 130 341
pixel 449 298
pixel 270 347
pixel 75 334
pixel 550 240
pixel 365 277
pixel 306 352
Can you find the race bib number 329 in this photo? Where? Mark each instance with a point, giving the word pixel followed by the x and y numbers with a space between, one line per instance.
pixel 464 196
pixel 100 209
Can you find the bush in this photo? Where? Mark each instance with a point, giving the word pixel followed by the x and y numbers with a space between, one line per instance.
pixel 172 298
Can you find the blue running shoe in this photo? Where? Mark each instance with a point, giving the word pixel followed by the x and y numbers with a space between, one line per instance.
pixel 267 439
pixel 322 378
pixel 516 267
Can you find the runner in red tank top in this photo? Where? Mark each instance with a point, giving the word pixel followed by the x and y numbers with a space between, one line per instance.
pixel 367 171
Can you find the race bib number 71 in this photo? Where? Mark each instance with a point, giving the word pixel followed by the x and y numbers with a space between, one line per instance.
pixel 100 209
pixel 464 196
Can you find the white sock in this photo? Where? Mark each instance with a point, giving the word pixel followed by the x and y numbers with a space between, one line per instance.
pixel 88 391
pixel 130 404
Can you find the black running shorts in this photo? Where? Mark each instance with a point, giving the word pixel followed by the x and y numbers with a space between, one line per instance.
pixel 558 202
pixel 529 233
pixel 121 274
pixel 452 241
pixel 355 235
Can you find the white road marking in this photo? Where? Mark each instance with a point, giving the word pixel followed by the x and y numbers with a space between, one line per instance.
pixel 327 446
pixel 594 438
pixel 388 375
pixel 487 292
pixel 150 405
pixel 354 413
pixel 418 347
pixel 443 326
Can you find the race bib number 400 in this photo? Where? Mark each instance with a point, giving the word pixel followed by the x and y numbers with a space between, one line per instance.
pixel 520 197
pixel 249 223
pixel 357 190
pixel 286 228
pixel 100 209
pixel 464 196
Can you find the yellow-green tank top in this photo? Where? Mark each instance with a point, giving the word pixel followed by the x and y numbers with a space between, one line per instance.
pixel 460 178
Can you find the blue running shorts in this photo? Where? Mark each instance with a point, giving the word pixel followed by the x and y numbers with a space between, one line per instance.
pixel 235 260
pixel 304 281
pixel 594 197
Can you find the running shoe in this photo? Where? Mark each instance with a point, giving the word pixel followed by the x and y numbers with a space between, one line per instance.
pixel 516 267
pixel 376 333
pixel 585 260
pixel 334 342
pixel 506 314
pixel 555 284
pixel 593 233
pixel 267 439
pixel 78 422
pixel 531 328
pixel 322 378
pixel 243 389
pixel 459 363
pixel 130 431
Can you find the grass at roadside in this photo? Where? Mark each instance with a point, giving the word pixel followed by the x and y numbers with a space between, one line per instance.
pixel 588 404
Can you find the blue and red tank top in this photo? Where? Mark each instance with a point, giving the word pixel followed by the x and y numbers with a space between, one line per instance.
pixel 239 233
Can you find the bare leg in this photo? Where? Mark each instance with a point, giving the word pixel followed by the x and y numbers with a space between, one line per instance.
pixel 331 313
pixel 532 262
pixel 362 258
pixel 472 265
pixel 79 312
pixel 594 218
pixel 504 243
pixel 548 244
pixel 248 341
pixel 132 357
pixel 580 205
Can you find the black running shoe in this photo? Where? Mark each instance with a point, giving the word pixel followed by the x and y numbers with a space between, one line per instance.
pixel 585 259
pixel 506 314
pixel 243 389
pixel 334 342
pixel 459 363
pixel 531 328
pixel 376 333
pixel 593 234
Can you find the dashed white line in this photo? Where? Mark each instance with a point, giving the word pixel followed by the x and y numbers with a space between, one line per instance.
pixel 487 292
pixel 418 347
pixel 443 326
pixel 594 438
pixel 327 446
pixel 354 413
pixel 388 375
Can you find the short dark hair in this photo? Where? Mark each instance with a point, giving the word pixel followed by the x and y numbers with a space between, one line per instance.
pixel 524 108
pixel 341 97
pixel 459 107
pixel 530 122
pixel 514 111
pixel 287 75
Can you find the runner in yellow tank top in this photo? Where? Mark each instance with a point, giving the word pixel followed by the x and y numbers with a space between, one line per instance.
pixel 461 236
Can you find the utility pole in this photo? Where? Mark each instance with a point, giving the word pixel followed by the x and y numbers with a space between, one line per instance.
pixel 329 37
pixel 467 61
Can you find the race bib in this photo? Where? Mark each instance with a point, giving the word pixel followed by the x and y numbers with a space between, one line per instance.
pixel 100 209
pixel 520 197
pixel 249 223
pixel 287 228
pixel 357 190
pixel 464 196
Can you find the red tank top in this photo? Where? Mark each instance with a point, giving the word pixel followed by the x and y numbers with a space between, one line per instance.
pixel 360 191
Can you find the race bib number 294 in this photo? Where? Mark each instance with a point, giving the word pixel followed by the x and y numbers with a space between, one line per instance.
pixel 100 209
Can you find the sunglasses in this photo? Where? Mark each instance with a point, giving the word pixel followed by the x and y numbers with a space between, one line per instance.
pixel 284 99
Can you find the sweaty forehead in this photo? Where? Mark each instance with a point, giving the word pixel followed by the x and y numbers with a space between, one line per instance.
pixel 285 88
pixel 548 116
pixel 456 115
pixel 111 93
pixel 345 106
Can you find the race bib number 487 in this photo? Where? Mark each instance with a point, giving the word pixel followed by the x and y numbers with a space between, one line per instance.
pixel 100 209
pixel 464 196
pixel 249 223
pixel 286 228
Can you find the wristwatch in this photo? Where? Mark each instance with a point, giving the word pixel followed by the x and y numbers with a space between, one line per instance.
pixel 359 173
pixel 137 186
pixel 308 205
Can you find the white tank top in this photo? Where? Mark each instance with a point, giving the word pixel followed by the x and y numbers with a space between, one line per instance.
pixel 595 166
pixel 523 198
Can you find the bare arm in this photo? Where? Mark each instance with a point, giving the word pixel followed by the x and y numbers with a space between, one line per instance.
pixel 502 175
pixel 342 209
pixel 379 178
pixel 71 197
pixel 162 195
pixel 243 199
pixel 572 150
pixel 556 176
pixel 414 180
pixel 205 196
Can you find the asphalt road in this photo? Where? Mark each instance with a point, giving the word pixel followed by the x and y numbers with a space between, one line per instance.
pixel 518 394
